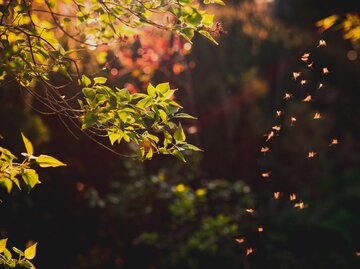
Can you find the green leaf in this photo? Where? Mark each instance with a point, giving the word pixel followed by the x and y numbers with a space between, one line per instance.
pixel 179 155
pixel 141 153
pixel 149 154
pixel 207 20
pixel 208 36
pixel 179 134
pixel 48 161
pixel 184 116
pixel 168 138
pixel 8 184
pixel 7 254
pixel 192 147
pixel 30 177
pixel 6 154
pixel 85 81
pixel 28 145
pixel 188 33
pixel 220 2
pixel 100 80
pixel 52 3
pixel 163 115
pixel 18 251
pixel 62 70
pixel 169 94
pixel 163 87
pixel 195 17
pixel 17 182
pixel 115 136
pixel 151 90
pixel 3 245
pixel 30 252
pixel 67 20
pixel 89 120
pixel 146 102
pixel 89 93
pixel 152 137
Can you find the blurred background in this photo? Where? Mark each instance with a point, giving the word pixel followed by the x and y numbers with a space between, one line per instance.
pixel 105 211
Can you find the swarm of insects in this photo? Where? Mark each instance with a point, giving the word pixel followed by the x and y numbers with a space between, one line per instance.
pixel 274 133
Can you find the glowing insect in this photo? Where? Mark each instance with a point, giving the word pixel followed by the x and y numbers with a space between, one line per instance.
pixel 308 98
pixel 276 195
pixel 357 253
pixel 317 116
pixel 296 75
pixel 270 135
pixel 266 174
pixel 305 57
pixel 249 210
pixel 240 240
pixel 249 251
pixel 287 96
pixel 264 150
pixel 276 128
pixel 292 197
pixel 320 86
pixel 293 120
pixel 325 70
pixel 322 43
pixel 300 205
pixel 311 154
pixel 303 82
pixel 278 113
pixel 334 142
pixel 260 229
pixel 310 65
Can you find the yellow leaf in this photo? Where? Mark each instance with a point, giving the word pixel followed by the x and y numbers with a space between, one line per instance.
pixel 48 161
pixel 30 252
pixel 28 145
pixel 3 245
pixel 30 177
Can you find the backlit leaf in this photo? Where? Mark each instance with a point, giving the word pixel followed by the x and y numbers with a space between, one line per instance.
pixel 30 252
pixel 184 116
pixel 85 81
pixel 48 161
pixel 163 87
pixel 151 90
pixel 179 134
pixel 100 80
pixel 194 148
pixel 208 36
pixel 3 245
pixel 30 177
pixel 28 145
pixel 179 155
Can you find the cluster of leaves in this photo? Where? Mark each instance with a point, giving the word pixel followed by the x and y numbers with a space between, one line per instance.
pixel 31 52
pixel 11 171
pixel 23 259
pixel 28 52
pixel 350 24
pixel 30 49
pixel 193 19
pixel 145 119
pixel 120 19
